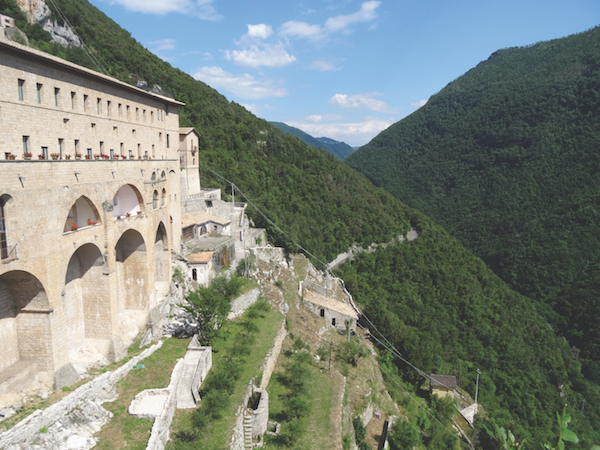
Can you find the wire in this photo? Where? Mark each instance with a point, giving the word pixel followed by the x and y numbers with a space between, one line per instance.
pixel 84 46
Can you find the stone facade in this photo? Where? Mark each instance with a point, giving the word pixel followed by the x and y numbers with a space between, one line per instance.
pixel 85 244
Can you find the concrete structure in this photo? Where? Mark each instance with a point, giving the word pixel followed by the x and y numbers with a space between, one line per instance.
pixel 6 21
pixel 85 245
pixel 335 313
pixel 443 385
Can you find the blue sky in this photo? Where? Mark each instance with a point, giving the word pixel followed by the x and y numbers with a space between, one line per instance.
pixel 343 69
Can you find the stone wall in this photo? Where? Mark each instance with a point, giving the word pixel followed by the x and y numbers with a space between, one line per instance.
pixel 275 256
pixel 243 302
pixel 98 390
pixel 271 360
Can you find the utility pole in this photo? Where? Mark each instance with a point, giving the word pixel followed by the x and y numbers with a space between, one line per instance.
pixel 477 385
pixel 330 346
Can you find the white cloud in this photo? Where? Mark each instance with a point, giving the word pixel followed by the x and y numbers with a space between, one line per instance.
pixel 244 86
pixel 266 55
pixel 257 110
pixel 262 31
pixel 316 118
pixel 199 8
pixel 360 101
pixel 366 13
pixel 352 133
pixel 323 65
pixel 164 44
pixel 419 103
pixel 298 29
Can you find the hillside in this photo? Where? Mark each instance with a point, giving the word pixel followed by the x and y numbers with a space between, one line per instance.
pixel 336 148
pixel 326 206
pixel 505 158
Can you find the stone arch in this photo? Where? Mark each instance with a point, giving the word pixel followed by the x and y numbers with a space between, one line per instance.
pixel 132 271
pixel 163 198
pixel 127 200
pixel 155 199
pixel 161 261
pixel 86 299
pixel 25 337
pixel 82 214
pixel 153 178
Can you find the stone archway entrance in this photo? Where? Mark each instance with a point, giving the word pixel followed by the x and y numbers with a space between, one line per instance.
pixel 161 261
pixel 25 338
pixel 87 301
pixel 133 276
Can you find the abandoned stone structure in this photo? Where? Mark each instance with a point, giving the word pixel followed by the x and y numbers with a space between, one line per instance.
pixel 335 312
pixel 93 178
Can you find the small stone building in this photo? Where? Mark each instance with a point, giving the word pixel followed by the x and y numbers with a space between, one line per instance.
pixel 196 224
pixel 443 385
pixel 335 312
pixel 200 267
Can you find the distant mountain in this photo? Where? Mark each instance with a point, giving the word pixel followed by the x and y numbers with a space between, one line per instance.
pixel 336 148
pixel 506 158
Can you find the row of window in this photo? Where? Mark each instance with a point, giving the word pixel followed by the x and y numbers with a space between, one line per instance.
pixel 102 107
pixel 27 148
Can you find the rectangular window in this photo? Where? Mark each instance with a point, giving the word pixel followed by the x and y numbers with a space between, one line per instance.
pixel 137 114
pixel 133 133
pixel 45 152
pixel 128 112
pixel 73 100
pixel 167 110
pixel 89 152
pixel 98 100
pixel 21 89
pixel 130 154
pixel 108 111
pixel 115 131
pixel 151 116
pixel 60 148
pixel 85 102
pixel 167 140
pixel 94 128
pixel 120 110
pixel 101 148
pixel 144 115
pixel 122 149
pixel 77 147
pixel 160 138
pixel 112 153
pixel 39 92
pixel 139 150
pixel 56 95
pixel 153 153
pixel 25 144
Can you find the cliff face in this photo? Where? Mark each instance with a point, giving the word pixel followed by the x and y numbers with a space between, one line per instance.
pixel 38 12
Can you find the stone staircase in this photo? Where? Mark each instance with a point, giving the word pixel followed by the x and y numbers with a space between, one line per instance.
pixel 248 421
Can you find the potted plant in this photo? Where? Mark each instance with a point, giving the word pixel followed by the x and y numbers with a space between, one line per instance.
pixel 77 156
pixel 74 227
pixel 123 156
pixel 91 222
pixel 127 214
pixel 42 156
pixel 139 212
pixel 11 156
pixel 67 156
pixel 27 155
pixel 96 156
pixel 54 156
pixel 88 157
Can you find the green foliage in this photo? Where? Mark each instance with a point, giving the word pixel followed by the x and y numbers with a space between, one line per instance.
pixel 211 305
pixel 360 433
pixel 428 297
pixel 506 159
pixel 404 435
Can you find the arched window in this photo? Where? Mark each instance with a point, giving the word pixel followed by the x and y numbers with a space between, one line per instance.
pixel 163 175
pixel 153 176
pixel 155 200
pixel 163 197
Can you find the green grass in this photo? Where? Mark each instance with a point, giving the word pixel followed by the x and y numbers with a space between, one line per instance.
pixel 125 431
pixel 319 398
pixel 217 434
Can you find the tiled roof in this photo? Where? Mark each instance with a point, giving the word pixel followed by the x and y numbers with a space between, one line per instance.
pixel 330 303
pixel 199 217
pixel 200 257
pixel 447 381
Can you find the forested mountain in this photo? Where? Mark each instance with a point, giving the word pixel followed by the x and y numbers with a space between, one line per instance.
pixel 336 148
pixel 506 158
pixel 444 304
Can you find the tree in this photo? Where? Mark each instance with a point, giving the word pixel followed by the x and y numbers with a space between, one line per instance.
pixel 211 305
